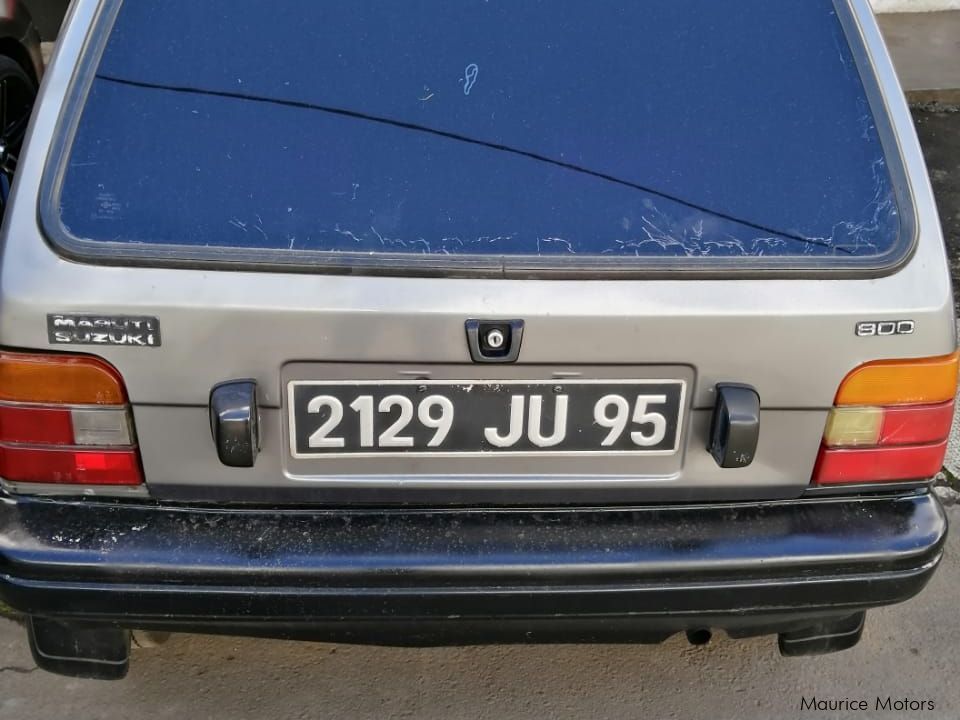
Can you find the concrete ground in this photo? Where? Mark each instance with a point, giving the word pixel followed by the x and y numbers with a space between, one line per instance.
pixel 925 48
pixel 909 651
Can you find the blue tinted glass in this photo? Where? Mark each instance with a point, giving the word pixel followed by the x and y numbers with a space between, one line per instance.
pixel 480 127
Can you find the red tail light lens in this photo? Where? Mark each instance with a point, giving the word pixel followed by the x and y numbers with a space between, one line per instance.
pixel 890 423
pixel 915 425
pixel 74 467
pixel 882 464
pixel 29 424
pixel 64 419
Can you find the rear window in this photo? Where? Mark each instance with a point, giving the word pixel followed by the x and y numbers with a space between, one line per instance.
pixel 477 134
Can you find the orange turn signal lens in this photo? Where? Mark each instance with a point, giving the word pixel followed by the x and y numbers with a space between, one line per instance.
pixel 59 379
pixel 901 382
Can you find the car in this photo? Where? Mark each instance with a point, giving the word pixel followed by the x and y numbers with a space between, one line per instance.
pixel 454 323
pixel 21 67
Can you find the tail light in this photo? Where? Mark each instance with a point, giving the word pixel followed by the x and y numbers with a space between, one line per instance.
pixel 890 422
pixel 65 419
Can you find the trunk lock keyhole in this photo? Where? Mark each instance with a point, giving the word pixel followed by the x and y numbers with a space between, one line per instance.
pixel 494 341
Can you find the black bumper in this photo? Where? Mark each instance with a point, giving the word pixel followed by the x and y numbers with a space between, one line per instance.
pixel 430 577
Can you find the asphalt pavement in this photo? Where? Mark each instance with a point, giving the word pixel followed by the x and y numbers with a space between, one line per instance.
pixel 938 127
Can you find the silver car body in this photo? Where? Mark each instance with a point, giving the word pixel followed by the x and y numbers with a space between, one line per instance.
pixel 791 337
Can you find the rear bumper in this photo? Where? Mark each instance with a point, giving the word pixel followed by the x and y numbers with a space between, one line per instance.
pixel 429 577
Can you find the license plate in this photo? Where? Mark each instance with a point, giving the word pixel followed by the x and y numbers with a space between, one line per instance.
pixel 504 417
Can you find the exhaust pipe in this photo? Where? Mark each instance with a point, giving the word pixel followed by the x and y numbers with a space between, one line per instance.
pixel 699 636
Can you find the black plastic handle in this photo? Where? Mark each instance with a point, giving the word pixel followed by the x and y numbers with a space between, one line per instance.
pixel 234 422
pixel 735 429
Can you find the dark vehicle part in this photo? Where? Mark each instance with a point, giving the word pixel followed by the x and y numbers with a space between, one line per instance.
pixel 77 649
pixel 615 575
pixel 494 341
pixel 699 636
pixel 20 40
pixel 735 428
pixel 47 16
pixel 235 422
pixel 21 68
pixel 824 637
pixel 17 93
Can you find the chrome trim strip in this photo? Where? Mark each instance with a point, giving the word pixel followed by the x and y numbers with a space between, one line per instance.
pixel 880 82
pixel 87 407
pixel 51 489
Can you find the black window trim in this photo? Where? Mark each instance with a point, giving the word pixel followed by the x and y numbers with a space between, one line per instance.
pixel 102 252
